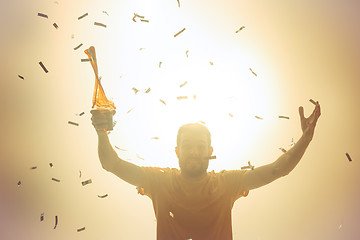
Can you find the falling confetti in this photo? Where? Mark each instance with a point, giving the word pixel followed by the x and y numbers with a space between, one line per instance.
pixel 137 155
pixel 248 167
pixel 178 2
pixel 241 28
pixel 120 148
pixel 130 110
pixel 73 123
pixel 105 13
pixel 19 183
pixel 76 48
pixel 21 77
pixel 187 51
pixel 312 101
pixel 135 16
pixel 33 168
pixel 86 182
pixel 171 214
pixel 135 90
pixel 143 20
pixel 100 24
pixel 231 115
pixel 284 117
pixel 55 25
pixel 43 67
pixel 56 221
pixel 211 63
pixel 182 97
pixel 42 217
pixel 43 15
pixel 85 60
pixel 56 180
pixel 81 113
pixel 212 157
pixel 183 84
pixel 259 117
pixel 179 32
pixel 283 149
pixel 148 90
pixel 81 229
pixel 160 64
pixel 79 173
pixel 348 156
pixel 51 165
pixel 163 101
pixel 156 138
pixel 102 196
pixel 292 143
pixel 82 16
pixel 253 72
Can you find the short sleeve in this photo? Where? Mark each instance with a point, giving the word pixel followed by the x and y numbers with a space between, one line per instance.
pixel 235 183
pixel 152 179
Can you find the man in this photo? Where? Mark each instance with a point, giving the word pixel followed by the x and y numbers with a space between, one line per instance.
pixel 192 203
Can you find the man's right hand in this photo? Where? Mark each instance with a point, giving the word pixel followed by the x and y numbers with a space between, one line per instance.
pixel 102 119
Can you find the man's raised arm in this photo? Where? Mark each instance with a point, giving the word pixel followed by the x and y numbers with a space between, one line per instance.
pixel 285 163
pixel 109 159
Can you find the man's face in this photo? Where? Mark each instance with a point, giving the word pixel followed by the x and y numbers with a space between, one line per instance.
pixel 193 153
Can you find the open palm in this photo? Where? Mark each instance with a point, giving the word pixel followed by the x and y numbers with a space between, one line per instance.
pixel 308 124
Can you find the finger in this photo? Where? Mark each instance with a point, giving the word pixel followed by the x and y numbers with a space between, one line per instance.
pixel 301 112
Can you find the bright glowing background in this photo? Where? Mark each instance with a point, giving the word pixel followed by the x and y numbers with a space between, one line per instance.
pixel 300 50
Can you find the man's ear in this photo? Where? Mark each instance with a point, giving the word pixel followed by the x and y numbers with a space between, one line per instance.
pixel 211 149
pixel 177 151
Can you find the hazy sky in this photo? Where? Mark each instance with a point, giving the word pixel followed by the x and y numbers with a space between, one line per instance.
pixel 299 50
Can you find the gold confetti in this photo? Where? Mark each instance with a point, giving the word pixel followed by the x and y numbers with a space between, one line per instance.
pixel 171 214
pixel 120 148
pixel 283 150
pixel 156 138
pixel 86 182
pixel 105 13
pixel 241 28
pixel 259 117
pixel 137 155
pixel 187 51
pixel 348 156
pixel 102 196
pixel 248 167
pixel 56 180
pixel 163 102
pixel 73 123
pixel 148 90
pixel 231 115
pixel 32 168
pixel 81 229
pixel 160 64
pixel 56 221
pixel 100 24
pixel 212 157
pixel 85 60
pixel 43 15
pixel 211 63
pixel 55 25
pixel 19 183
pixel 312 101
pixel 81 113
pixel 135 90
pixel 178 2
pixel 253 72
pixel 76 48
pixel 284 117
pixel 43 67
pixel 21 77
pixel 143 20
pixel 179 32
pixel 183 84
pixel 42 217
pixel 82 16
pixel 182 97
pixel 130 110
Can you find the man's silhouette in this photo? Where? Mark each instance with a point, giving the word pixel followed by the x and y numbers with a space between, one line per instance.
pixel 191 203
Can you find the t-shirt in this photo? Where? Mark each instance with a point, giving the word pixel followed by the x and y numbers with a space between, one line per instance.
pixel 193 209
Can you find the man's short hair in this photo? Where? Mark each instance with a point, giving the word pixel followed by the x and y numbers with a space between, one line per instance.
pixel 193 127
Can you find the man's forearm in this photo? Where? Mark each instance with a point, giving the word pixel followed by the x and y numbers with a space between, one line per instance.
pixel 288 161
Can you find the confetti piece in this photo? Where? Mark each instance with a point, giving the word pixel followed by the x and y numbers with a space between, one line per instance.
pixel 348 156
pixel 156 138
pixel 179 32
pixel 81 229
pixel 248 167
pixel 283 150
pixel 51 165
pixel 102 196
pixel 56 221
pixel 212 157
pixel 86 182
pixel 231 115
pixel 202 122
pixel 85 60
pixel 120 148
pixel 43 67
pixel 187 51
pixel 55 25
pixel 130 110
pixel 178 2
pixel 81 113
pixel 33 167
pixel 135 90
pixel 43 15
pixel 56 180
pixel 72 35
pixel 160 64
pixel 73 123
pixel 105 13
pixel 253 72
pixel 211 63
pixel 148 90
pixel 42 217
pixel 183 84
pixel 312 101
pixel 171 214
pixel 163 102
pixel 21 77
pixel 259 118
pixel 19 183
pixel 194 96
pixel 79 173
pixel 76 48
pixel 100 24
pixel 284 117
pixel 135 16
pixel 137 155
pixel 141 49
pixel 143 20
pixel 292 143
pixel 241 28
pixel 182 97
pixel 82 16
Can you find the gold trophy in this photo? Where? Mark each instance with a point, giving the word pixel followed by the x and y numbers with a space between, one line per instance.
pixel 99 101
